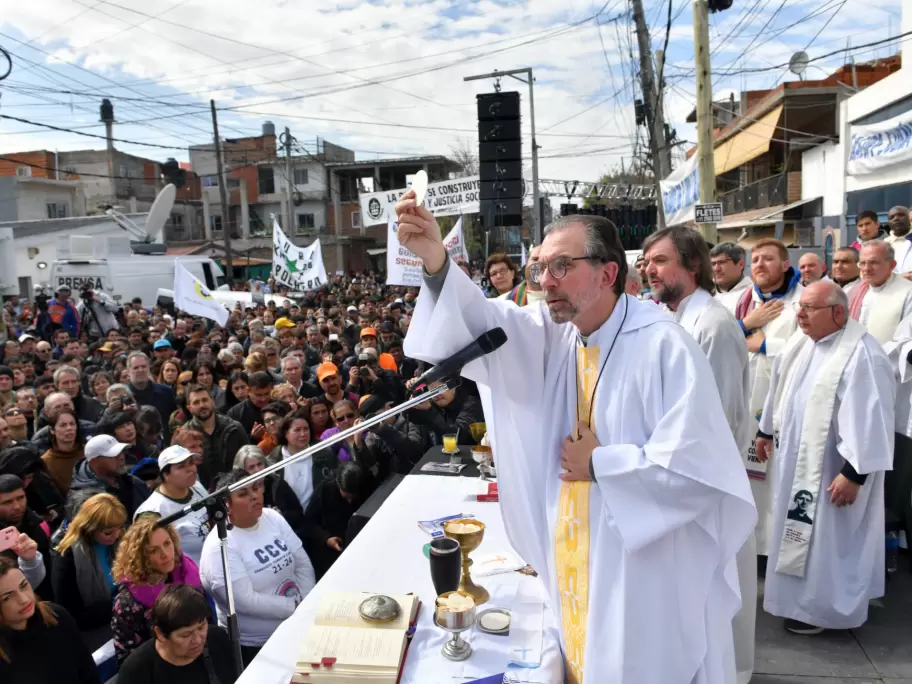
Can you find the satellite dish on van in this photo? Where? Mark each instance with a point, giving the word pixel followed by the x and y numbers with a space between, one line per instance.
pixel 156 219
pixel 798 64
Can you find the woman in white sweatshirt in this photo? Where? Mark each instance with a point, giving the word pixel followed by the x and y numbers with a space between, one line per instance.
pixel 269 570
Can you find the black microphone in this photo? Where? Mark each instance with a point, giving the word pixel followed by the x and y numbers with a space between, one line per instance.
pixel 491 340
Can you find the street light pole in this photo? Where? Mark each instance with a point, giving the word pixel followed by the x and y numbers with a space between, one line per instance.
pixel 530 80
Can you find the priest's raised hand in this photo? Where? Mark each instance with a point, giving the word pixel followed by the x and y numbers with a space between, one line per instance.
pixel 419 233
pixel 576 454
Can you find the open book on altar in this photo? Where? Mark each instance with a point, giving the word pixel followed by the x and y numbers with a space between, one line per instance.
pixel 341 647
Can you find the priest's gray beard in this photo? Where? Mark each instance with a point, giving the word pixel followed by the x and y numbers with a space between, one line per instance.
pixel 565 307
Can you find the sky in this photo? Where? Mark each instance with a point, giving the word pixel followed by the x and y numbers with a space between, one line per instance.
pixel 385 77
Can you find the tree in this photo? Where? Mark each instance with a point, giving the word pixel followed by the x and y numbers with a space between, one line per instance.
pixel 465 153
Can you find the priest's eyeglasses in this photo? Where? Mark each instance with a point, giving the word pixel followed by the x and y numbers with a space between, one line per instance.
pixel 808 309
pixel 556 267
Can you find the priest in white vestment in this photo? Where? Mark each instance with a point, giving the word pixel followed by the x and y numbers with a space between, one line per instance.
pixel 679 272
pixel 846 273
pixel 727 261
pixel 830 411
pixel 767 316
pixel 899 349
pixel 883 298
pixel 634 522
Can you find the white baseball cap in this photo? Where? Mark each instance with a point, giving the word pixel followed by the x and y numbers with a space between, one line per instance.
pixel 173 454
pixel 103 446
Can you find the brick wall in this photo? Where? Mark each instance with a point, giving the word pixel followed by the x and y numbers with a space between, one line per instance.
pixel 40 158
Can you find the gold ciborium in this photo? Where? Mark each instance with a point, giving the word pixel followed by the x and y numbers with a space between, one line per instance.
pixel 468 542
pixel 478 431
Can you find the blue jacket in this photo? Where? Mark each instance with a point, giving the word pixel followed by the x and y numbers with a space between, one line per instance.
pixel 65 315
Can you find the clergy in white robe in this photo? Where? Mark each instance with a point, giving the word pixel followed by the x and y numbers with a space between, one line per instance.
pixel 846 273
pixel 767 316
pixel 830 408
pixel 679 272
pixel 899 350
pixel 727 261
pixel 636 539
pixel 883 298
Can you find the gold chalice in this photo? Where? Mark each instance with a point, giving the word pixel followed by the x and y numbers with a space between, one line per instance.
pixel 468 542
pixel 478 430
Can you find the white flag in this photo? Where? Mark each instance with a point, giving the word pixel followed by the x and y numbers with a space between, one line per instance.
pixel 190 295
pixel 455 243
pixel 524 256
pixel 300 268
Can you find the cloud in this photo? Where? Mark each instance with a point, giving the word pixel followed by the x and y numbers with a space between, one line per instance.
pixel 399 63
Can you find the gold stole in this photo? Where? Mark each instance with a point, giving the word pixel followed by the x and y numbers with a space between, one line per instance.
pixel 572 538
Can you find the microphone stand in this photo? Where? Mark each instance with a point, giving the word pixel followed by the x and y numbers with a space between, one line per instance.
pixel 216 503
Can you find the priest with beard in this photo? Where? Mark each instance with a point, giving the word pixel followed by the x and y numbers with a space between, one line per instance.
pixel 620 481
pixel 679 272
pixel 829 419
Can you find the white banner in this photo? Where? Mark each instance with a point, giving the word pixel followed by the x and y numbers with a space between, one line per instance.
pixel 404 268
pixel 300 268
pixel 445 198
pixel 878 145
pixel 191 295
pixel 681 192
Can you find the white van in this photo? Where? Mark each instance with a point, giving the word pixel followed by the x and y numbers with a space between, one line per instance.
pixel 126 277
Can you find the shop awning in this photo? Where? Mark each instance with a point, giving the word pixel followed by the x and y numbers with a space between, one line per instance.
pixel 747 144
pixel 779 211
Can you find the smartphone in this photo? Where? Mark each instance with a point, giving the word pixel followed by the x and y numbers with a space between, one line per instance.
pixel 8 538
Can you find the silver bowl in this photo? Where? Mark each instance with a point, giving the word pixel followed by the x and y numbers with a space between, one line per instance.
pixel 455 623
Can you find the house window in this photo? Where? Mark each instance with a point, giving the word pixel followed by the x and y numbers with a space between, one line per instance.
pixel 210 181
pixel 306 223
pixel 57 210
pixel 124 171
pixel 266 180
pixel 234 183
pixel 215 222
pixel 356 219
pixel 300 176
pixel 24 171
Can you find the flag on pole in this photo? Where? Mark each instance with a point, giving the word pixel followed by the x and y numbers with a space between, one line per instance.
pixel 191 296
pixel 524 257
pixel 300 268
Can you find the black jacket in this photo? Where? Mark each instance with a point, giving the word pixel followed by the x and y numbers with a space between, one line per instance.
pixel 162 398
pixel 66 593
pixel 88 409
pixel 398 447
pixel 42 494
pixel 464 410
pixel 31 525
pixel 219 448
pixel 278 494
pixel 326 516
pixel 45 654
pixel 246 414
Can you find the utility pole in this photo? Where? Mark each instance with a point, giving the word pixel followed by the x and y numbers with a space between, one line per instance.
pixel 655 117
pixel 223 194
pixel 536 195
pixel 289 183
pixel 705 160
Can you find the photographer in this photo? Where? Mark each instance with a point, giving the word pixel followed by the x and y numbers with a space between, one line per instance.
pixel 97 313
pixel 365 376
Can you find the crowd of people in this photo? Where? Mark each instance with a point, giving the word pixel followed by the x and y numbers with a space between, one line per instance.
pixel 102 435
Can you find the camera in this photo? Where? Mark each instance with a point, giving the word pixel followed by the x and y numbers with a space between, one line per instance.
pixel 364 360
pixel 86 294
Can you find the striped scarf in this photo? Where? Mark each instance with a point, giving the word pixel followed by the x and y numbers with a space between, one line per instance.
pixel 858 295
pixel 518 296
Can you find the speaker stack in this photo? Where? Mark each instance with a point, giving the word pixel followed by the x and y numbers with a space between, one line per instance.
pixel 500 159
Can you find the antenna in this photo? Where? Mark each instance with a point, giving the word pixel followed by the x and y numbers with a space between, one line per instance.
pixel 155 219
pixel 798 64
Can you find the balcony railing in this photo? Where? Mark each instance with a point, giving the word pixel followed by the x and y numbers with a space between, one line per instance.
pixel 761 194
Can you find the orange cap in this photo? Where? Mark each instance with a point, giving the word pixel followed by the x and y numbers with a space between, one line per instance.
pixel 368 331
pixel 324 370
pixel 387 362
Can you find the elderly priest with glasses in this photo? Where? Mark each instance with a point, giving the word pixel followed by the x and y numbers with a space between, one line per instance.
pixel 620 481
pixel 829 415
